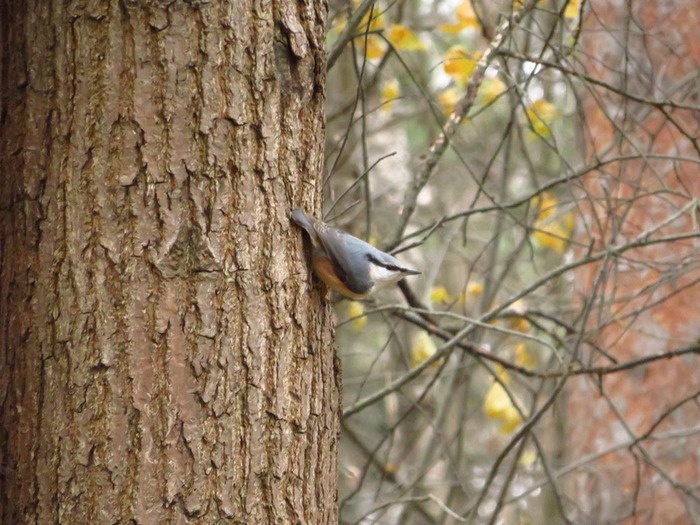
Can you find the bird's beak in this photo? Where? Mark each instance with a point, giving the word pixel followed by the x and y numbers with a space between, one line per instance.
pixel 408 271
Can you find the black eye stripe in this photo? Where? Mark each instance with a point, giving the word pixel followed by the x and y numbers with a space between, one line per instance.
pixel 391 267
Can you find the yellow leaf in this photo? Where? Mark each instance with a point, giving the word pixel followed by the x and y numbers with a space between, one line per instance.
pixel 545 110
pixel 448 99
pixel 475 289
pixel 452 29
pixel 515 315
pixel 338 26
pixel 550 233
pixel 390 468
pixel 528 457
pixel 519 324
pixel 497 405
pixel 551 236
pixel 403 38
pixel 517 4
pixel 491 89
pixel 496 402
pixel 458 63
pixel 519 307
pixel 523 357
pixel 572 9
pixel 374 46
pixel 568 224
pixel 390 92
pixel 501 373
pixel 356 311
pixel 465 14
pixel 466 19
pixel 422 348
pixel 372 21
pixel 540 115
pixel 546 205
pixel 439 295
pixel 510 421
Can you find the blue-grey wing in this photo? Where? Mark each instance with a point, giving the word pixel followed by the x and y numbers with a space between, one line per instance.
pixel 344 252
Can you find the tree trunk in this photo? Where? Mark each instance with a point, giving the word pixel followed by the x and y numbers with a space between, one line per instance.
pixel 645 302
pixel 164 355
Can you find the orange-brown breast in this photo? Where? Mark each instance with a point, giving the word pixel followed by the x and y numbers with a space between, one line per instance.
pixel 324 271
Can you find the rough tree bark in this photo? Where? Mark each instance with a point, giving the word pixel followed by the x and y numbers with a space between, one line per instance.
pixel 164 355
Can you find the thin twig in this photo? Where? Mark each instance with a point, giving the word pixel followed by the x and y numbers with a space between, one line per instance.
pixel 440 144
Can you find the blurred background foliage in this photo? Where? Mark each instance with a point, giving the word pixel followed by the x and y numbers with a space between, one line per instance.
pixel 520 378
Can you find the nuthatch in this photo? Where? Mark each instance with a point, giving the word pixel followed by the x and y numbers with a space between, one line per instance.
pixel 346 264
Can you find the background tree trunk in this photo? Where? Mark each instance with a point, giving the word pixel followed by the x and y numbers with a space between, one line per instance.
pixel 646 303
pixel 164 358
